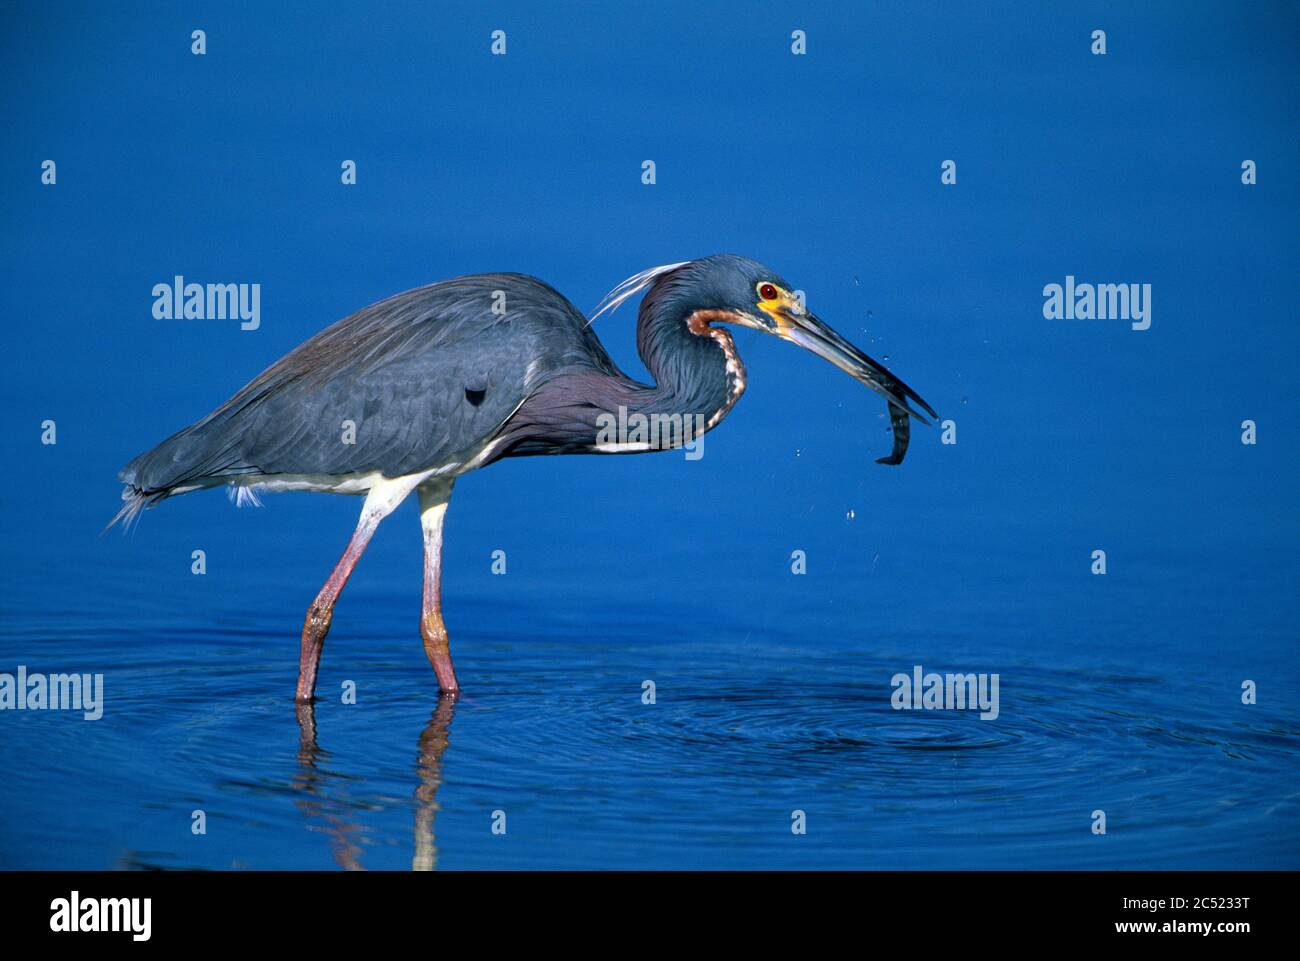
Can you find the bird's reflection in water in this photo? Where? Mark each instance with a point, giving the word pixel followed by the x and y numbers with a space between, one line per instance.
pixel 327 805
pixel 320 799
pixel 433 744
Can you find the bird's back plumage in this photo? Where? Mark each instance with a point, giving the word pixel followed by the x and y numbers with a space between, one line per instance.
pixel 426 376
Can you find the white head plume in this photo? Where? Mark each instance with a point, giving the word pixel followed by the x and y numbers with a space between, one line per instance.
pixel 631 287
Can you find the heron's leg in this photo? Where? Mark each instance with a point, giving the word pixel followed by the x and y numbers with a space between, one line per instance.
pixel 434 496
pixel 380 502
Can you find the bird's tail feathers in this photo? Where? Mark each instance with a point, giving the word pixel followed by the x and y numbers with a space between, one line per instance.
pixel 134 500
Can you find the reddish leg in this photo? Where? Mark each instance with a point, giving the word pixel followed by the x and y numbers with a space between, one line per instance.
pixel 379 504
pixel 433 507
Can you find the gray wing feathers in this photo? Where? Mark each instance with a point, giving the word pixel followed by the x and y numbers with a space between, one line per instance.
pixel 399 370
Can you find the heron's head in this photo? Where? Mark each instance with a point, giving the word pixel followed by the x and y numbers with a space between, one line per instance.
pixel 750 294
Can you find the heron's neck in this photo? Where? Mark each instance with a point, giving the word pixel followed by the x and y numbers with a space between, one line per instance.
pixel 694 363
pixel 698 377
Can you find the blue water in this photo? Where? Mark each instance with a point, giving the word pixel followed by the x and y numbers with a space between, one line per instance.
pixel 1119 693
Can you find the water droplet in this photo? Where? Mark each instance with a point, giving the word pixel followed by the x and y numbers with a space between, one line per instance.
pixel 856 283
pixel 885 358
pixel 850 515
pixel 965 399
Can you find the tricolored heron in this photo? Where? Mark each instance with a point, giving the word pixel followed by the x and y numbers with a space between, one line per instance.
pixel 444 379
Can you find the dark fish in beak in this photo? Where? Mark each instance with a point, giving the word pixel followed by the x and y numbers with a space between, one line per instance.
pixel 902 434
pixel 809 332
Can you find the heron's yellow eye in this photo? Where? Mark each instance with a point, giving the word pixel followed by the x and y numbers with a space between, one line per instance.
pixel 767 291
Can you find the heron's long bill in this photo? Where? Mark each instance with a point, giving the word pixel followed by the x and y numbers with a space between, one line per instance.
pixel 809 332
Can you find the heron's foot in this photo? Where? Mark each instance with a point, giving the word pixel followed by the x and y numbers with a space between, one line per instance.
pixel 438 650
